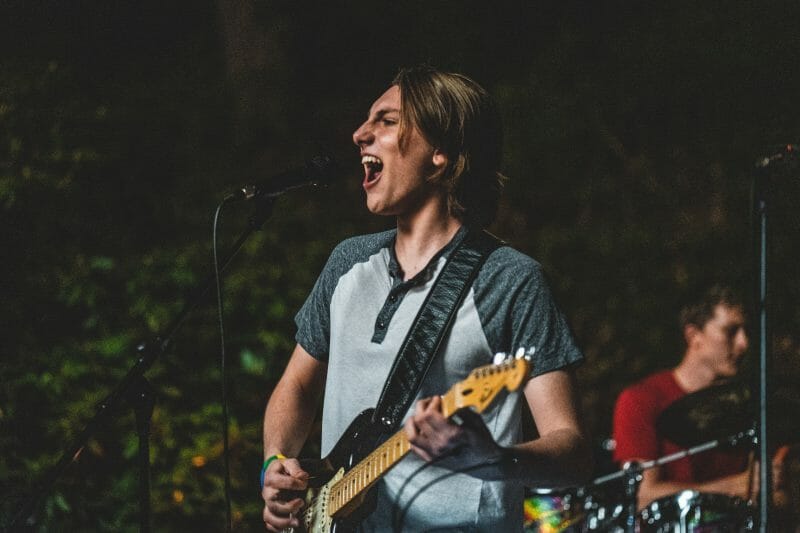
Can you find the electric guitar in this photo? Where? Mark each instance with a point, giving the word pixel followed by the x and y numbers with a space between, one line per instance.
pixel 356 464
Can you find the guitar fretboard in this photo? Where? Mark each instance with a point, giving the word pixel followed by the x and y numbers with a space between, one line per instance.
pixel 368 471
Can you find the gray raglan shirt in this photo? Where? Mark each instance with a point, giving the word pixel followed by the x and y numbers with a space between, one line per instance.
pixel 356 318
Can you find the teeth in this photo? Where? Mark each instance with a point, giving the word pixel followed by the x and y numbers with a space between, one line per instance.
pixel 371 160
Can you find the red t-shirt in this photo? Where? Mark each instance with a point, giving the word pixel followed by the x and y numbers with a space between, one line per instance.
pixel 634 431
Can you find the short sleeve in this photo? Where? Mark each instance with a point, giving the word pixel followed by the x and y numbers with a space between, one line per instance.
pixel 314 318
pixel 634 427
pixel 517 310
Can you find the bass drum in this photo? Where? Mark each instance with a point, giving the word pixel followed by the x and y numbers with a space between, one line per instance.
pixel 697 512
pixel 554 511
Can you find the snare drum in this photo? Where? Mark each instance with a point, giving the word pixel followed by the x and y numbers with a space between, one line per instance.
pixel 697 512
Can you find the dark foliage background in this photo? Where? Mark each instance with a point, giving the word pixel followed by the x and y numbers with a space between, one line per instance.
pixel 632 129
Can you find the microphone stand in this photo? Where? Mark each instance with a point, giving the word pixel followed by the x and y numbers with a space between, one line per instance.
pixel 135 391
pixel 760 233
pixel 761 191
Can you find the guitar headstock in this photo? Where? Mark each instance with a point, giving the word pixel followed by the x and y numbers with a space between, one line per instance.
pixel 485 382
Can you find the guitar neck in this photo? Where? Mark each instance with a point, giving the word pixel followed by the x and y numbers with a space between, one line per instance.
pixel 362 476
pixel 368 471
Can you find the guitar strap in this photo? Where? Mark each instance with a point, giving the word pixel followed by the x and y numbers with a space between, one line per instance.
pixel 431 325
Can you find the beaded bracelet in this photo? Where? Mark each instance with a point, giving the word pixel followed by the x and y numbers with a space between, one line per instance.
pixel 267 461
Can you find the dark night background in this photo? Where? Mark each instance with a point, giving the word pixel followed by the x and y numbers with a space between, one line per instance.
pixel 631 135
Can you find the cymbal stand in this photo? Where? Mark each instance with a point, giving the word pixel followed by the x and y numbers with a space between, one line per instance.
pixel 632 472
pixel 633 477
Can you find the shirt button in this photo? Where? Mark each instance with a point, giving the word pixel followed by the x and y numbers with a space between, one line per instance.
pixel 393 298
pixel 381 325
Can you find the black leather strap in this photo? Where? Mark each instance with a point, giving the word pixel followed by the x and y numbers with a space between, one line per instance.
pixel 431 325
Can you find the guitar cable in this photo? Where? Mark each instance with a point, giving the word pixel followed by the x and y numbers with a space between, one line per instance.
pixel 399 513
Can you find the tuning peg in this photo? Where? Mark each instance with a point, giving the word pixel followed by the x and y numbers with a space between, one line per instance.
pixel 526 354
pixel 500 358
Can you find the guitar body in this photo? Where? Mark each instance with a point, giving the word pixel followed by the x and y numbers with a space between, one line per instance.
pixel 359 439
pixel 340 495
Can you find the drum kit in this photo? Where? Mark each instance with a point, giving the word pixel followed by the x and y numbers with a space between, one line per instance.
pixel 723 415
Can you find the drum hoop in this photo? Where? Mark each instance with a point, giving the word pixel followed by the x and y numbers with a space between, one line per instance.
pixel 690 497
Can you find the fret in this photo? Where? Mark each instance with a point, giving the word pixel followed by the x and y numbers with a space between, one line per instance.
pixel 360 477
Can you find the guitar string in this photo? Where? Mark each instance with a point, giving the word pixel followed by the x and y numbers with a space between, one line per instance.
pixel 391 452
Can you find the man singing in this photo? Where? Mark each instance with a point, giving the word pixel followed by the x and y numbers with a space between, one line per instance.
pixel 430 148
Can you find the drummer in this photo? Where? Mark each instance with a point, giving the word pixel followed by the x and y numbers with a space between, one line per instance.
pixel 716 340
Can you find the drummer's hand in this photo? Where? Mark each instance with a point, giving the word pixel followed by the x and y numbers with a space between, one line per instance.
pixel 780 464
pixel 464 437
pixel 781 496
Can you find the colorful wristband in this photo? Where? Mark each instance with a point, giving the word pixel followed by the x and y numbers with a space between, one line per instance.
pixel 267 461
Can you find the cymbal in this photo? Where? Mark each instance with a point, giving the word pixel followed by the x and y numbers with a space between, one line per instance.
pixel 713 413
pixel 724 411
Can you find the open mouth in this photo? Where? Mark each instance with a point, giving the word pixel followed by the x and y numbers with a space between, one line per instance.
pixel 372 168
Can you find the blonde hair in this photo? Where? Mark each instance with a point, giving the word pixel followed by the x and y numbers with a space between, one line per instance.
pixel 458 117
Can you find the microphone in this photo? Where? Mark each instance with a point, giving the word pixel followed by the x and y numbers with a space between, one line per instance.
pixel 789 152
pixel 319 170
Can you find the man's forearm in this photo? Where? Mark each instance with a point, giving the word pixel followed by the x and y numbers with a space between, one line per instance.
pixel 561 458
pixel 652 489
pixel 287 420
